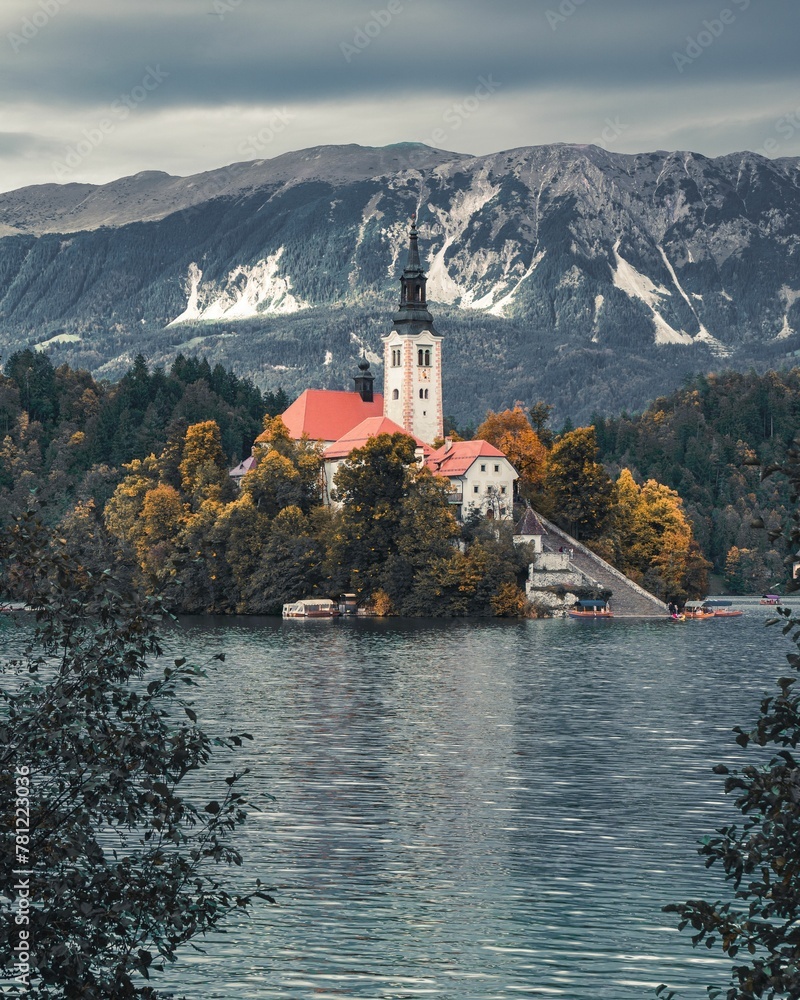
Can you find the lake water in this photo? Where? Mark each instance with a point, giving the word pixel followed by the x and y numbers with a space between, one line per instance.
pixel 474 809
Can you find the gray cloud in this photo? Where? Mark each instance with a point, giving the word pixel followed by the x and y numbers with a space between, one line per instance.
pixel 715 73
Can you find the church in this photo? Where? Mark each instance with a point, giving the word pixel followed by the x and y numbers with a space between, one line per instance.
pixel 481 477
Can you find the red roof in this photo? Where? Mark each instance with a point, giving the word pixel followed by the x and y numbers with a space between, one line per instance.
pixel 328 414
pixel 361 433
pixel 456 460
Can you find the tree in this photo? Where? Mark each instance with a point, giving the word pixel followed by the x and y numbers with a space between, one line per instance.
pixel 652 538
pixel 511 432
pixel 578 487
pixel 96 745
pixel 371 487
pixel 759 928
pixel 204 469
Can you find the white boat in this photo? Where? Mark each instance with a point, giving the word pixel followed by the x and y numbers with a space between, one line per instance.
pixel 311 607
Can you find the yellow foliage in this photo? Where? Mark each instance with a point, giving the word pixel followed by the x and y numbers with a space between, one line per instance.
pixel 511 432
pixel 382 604
pixel 509 601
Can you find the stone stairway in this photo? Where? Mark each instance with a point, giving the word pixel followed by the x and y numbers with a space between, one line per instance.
pixel 628 599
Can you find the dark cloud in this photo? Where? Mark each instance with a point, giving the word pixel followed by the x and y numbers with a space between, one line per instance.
pixel 219 52
pixel 714 75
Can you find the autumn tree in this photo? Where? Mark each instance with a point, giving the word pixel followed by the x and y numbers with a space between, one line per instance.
pixel 204 468
pixel 650 539
pixel 371 486
pixel 512 433
pixel 578 489
pixel 288 472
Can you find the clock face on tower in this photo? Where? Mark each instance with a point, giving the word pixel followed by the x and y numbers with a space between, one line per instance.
pixel 425 375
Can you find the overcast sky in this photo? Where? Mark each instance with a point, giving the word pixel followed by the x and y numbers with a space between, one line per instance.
pixel 91 90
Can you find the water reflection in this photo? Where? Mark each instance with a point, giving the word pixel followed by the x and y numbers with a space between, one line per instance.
pixel 475 809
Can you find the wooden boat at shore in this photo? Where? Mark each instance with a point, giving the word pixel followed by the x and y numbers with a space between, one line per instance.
pixel 311 607
pixel 591 611
pixel 710 608
pixel 770 599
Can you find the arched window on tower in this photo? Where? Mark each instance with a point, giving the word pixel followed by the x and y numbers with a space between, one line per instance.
pixel 427 359
pixel 420 357
pixel 421 393
pixel 395 393
pixel 419 293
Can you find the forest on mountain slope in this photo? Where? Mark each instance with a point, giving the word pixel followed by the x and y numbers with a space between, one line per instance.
pixel 136 474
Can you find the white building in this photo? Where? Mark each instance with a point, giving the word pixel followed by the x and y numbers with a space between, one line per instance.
pixel 412 357
pixel 481 477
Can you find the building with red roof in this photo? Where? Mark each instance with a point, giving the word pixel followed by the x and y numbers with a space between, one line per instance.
pixel 481 477
pixel 357 437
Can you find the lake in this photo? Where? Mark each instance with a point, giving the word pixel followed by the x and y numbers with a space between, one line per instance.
pixel 474 809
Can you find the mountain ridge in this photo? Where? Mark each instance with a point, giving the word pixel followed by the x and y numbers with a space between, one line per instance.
pixel 662 261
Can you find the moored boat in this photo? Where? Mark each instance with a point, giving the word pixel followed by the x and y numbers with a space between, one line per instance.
pixel 311 607
pixel 697 609
pixel 711 608
pixel 591 610
pixel 770 599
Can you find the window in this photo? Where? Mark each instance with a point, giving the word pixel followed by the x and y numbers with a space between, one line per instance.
pixel 497 468
pixel 503 490
pixel 396 357
pixel 421 393
pixel 476 489
pixel 424 357
pixel 395 393
pixel 483 468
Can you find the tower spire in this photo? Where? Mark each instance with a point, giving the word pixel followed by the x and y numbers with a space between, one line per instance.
pixel 413 262
pixel 412 315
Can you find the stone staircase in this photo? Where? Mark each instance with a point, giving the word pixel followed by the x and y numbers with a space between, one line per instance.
pixel 628 599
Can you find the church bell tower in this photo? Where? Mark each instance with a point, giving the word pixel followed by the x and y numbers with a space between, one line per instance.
pixel 412 356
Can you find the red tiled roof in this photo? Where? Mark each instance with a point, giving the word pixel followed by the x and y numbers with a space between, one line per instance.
pixel 328 414
pixel 460 456
pixel 358 436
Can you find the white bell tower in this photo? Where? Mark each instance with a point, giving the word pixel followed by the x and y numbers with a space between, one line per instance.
pixel 412 357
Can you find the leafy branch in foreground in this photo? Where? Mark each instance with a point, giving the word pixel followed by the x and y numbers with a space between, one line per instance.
pixel 760 927
pixel 124 866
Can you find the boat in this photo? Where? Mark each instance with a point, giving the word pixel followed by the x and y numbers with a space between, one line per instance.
pixel 721 609
pixel 770 599
pixel 311 607
pixel 711 608
pixel 697 609
pixel 592 610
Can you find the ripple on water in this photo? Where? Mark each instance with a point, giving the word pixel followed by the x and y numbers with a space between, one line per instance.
pixel 474 810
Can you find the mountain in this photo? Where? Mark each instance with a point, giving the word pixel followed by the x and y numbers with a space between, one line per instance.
pixel 594 280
